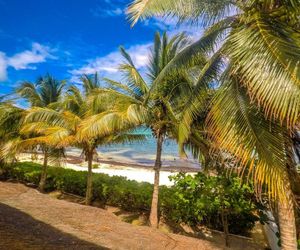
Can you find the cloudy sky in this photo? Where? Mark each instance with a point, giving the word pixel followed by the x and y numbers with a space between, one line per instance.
pixel 67 38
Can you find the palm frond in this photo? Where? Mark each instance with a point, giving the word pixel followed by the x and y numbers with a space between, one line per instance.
pixel 46 115
pixel 9 149
pixel 49 89
pixel 118 86
pixel 90 82
pixel 44 91
pixel 194 54
pixel 132 76
pixel 198 102
pixel 28 91
pixel 258 145
pixel 204 10
pixel 103 124
pixel 123 138
pixel 11 118
pixel 266 52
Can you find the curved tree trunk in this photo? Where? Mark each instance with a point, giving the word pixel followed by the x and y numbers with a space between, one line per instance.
pixel 287 225
pixel 44 173
pixel 153 219
pixel 89 186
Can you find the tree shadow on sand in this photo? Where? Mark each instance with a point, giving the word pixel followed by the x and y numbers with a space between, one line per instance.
pixel 19 230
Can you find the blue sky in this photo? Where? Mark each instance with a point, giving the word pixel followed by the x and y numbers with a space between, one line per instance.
pixel 67 38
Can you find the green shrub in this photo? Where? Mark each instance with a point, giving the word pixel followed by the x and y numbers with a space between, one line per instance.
pixel 194 200
pixel 202 199
pixel 69 180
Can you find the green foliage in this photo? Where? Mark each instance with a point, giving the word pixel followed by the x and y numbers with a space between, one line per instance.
pixel 44 92
pixel 193 200
pixel 201 199
pixel 95 166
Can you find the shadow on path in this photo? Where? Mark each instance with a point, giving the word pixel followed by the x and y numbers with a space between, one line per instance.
pixel 19 230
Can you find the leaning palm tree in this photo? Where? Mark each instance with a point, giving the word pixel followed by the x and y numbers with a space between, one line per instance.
pixel 259 40
pixel 45 92
pixel 156 108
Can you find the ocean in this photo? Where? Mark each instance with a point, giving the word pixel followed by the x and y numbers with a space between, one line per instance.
pixel 143 153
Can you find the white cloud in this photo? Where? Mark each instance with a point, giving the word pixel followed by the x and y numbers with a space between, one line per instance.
pixel 25 59
pixel 108 65
pixel 111 11
pixel 109 8
pixel 98 12
pixel 115 12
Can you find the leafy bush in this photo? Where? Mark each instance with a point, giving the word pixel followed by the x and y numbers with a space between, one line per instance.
pixel 194 200
pixel 202 199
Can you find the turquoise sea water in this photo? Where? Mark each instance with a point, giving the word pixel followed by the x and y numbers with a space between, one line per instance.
pixel 144 152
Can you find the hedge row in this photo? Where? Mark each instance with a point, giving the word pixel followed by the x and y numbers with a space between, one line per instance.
pixel 192 200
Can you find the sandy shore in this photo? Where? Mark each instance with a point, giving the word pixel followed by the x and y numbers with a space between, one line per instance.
pixel 137 172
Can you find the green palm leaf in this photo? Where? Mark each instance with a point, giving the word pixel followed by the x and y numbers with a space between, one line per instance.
pixel 266 54
pixel 207 11
pixel 240 128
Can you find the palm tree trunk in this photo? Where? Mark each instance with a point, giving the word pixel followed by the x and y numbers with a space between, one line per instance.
pixel 89 186
pixel 287 225
pixel 44 173
pixel 153 219
pixel 225 227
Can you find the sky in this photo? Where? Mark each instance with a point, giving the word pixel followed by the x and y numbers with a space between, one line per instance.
pixel 67 38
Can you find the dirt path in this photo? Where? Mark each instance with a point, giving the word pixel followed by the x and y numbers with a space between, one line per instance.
pixel 31 220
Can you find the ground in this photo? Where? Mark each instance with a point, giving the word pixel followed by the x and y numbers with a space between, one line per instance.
pixel 31 220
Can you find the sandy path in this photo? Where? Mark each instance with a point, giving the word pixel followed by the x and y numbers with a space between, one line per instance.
pixel 31 220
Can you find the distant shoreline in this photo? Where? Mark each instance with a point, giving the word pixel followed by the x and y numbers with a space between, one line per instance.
pixel 136 165
pixel 75 160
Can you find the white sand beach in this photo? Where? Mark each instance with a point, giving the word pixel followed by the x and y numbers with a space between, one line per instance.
pixel 132 171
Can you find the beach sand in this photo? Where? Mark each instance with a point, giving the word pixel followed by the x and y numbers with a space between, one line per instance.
pixel 130 170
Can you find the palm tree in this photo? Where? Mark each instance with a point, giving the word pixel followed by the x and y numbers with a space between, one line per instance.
pixel 10 120
pixel 67 126
pixel 259 41
pixel 45 92
pixel 157 107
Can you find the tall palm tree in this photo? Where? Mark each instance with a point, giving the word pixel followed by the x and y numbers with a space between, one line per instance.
pixel 260 42
pixel 45 92
pixel 157 107
pixel 66 127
